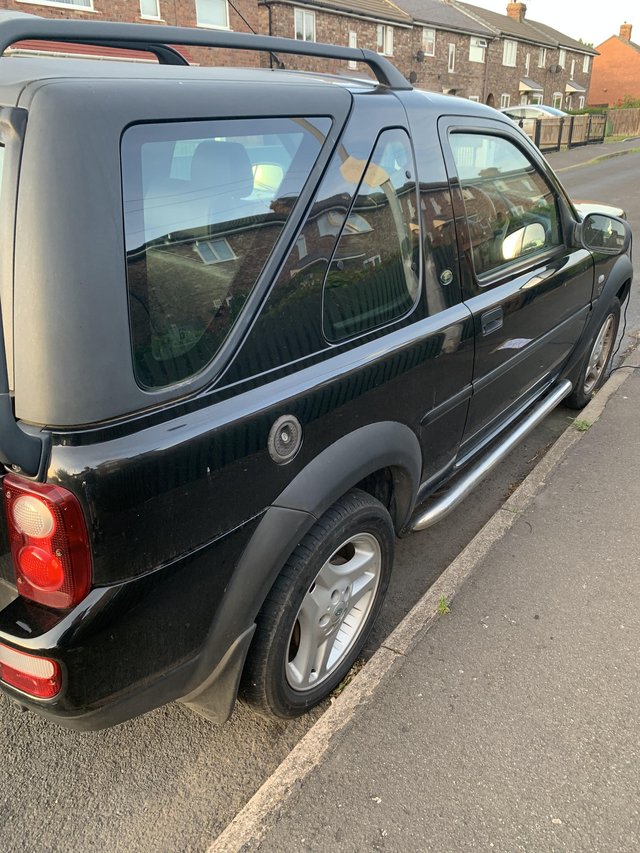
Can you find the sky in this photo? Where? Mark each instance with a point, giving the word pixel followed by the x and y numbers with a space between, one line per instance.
pixel 590 20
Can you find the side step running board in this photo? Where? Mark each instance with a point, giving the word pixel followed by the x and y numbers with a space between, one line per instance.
pixel 443 505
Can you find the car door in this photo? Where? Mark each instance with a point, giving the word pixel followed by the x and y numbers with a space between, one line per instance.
pixel 528 288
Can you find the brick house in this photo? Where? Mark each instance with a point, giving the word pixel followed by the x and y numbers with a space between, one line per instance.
pixel 530 62
pixel 374 24
pixel 211 14
pixel 449 49
pixel 616 71
pixel 441 45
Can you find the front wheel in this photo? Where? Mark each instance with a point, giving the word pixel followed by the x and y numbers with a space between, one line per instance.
pixel 320 610
pixel 596 365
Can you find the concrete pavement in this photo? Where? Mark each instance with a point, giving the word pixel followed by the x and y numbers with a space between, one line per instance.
pixel 571 158
pixel 512 724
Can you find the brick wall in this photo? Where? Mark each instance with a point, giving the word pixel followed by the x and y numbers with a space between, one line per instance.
pixel 468 79
pixel 174 12
pixel 616 73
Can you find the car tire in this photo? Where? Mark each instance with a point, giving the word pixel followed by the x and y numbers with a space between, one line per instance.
pixel 320 609
pixel 596 365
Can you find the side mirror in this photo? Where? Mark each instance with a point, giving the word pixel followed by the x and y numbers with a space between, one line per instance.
pixel 607 235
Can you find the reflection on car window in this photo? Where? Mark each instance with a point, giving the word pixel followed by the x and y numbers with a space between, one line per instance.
pixel 204 204
pixel 373 276
pixel 511 211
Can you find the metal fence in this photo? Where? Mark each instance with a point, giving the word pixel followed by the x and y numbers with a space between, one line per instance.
pixel 551 134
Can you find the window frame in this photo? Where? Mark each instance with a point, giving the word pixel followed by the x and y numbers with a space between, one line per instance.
pixel 479 44
pixel 213 26
pixel 586 64
pixel 371 260
pixel 505 101
pixel 562 58
pixel 509 46
pixel 307 14
pixel 58 4
pixel 353 43
pixel 572 73
pixel 131 153
pixel 147 17
pixel 426 40
pixel 384 40
pixel 496 276
pixel 557 100
pixel 451 62
pixel 542 57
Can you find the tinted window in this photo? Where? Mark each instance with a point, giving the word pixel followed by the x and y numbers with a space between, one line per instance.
pixel 373 277
pixel 204 204
pixel 511 210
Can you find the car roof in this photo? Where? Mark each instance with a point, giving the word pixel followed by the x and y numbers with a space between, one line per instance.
pixel 17 72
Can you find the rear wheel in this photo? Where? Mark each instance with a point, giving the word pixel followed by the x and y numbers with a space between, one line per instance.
pixel 321 608
pixel 596 365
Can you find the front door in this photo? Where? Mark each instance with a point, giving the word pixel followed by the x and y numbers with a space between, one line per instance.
pixel 528 289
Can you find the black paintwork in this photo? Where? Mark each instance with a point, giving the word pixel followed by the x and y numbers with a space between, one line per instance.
pixel 190 520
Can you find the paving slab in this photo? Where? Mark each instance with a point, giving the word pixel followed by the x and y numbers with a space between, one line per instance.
pixel 512 724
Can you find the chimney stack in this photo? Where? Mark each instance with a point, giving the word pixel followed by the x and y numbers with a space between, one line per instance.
pixel 625 32
pixel 516 11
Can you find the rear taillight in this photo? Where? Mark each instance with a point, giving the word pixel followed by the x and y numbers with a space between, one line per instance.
pixel 36 676
pixel 49 542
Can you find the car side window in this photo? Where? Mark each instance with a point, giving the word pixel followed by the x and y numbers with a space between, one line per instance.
pixel 511 210
pixel 373 278
pixel 204 203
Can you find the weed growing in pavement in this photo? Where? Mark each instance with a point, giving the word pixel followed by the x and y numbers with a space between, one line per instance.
pixel 581 425
pixel 443 607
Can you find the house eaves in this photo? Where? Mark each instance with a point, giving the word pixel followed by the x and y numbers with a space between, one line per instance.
pixel 379 11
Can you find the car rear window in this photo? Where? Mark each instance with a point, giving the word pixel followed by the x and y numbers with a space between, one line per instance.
pixel 204 204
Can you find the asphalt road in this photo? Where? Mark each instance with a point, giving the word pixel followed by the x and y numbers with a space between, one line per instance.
pixel 171 781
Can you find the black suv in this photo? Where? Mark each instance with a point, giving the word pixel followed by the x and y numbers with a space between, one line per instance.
pixel 255 324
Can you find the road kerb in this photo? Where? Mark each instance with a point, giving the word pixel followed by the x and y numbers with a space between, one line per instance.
pixel 252 823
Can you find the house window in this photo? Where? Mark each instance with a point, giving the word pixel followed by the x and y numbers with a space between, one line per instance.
pixel 305 25
pixel 65 4
pixel 523 100
pixel 527 64
pixel 573 68
pixel 353 42
pixel 536 99
pixel 581 102
pixel 557 100
pixel 505 101
pixel 212 13
pixel 385 40
pixel 509 52
pixel 585 65
pixel 474 98
pixel 452 58
pixel 542 57
pixel 428 41
pixel 477 50
pixel 149 8
pixel 562 61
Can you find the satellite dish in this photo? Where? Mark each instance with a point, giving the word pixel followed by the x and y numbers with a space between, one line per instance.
pixel 554 69
pixel 413 77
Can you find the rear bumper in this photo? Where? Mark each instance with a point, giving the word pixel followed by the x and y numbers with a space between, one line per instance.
pixel 129 648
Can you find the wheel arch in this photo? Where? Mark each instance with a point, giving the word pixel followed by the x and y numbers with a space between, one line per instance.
pixel 351 461
pixel 617 285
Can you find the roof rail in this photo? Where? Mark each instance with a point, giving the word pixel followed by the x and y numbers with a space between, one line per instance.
pixel 156 39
